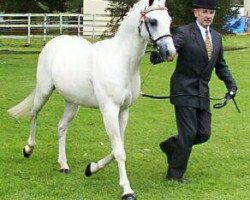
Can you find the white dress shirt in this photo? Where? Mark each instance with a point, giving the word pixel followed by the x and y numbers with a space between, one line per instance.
pixel 203 32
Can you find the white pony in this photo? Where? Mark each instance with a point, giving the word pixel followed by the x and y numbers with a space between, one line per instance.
pixel 103 75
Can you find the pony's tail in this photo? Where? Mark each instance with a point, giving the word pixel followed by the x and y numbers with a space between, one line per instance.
pixel 23 108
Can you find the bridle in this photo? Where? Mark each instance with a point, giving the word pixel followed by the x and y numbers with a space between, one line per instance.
pixel 143 19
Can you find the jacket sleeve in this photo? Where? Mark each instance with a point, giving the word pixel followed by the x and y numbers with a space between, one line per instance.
pixel 179 39
pixel 223 72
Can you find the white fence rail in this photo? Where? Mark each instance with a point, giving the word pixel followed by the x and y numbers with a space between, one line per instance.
pixel 27 26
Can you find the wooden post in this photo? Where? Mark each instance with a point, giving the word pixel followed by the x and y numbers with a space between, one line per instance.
pixel 93 25
pixel 29 27
pixel 61 23
pixel 44 28
pixel 83 24
pixel 79 25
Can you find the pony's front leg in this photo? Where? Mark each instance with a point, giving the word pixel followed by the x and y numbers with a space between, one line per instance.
pixel 68 115
pixel 95 167
pixel 112 124
pixel 123 120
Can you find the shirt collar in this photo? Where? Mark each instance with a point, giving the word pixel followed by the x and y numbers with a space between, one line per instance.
pixel 202 29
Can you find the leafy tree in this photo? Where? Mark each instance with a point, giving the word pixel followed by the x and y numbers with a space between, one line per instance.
pixel 180 10
pixel 74 5
pixel 118 10
pixel 54 5
pixel 19 6
pixel 39 6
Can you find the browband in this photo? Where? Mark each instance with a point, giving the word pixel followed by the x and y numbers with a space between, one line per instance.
pixel 145 11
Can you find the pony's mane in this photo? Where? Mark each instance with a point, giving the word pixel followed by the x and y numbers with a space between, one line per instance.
pixel 132 15
pixel 139 5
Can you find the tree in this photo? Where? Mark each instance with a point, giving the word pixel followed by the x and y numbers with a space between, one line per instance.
pixel 54 5
pixel 19 6
pixel 118 10
pixel 74 5
pixel 180 10
pixel 39 6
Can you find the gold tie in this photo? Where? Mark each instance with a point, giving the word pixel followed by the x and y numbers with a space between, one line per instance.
pixel 208 46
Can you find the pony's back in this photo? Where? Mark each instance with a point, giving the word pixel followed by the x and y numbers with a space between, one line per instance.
pixel 64 63
pixel 67 63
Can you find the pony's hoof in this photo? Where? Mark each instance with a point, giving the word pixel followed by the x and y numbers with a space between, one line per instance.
pixel 28 150
pixel 25 154
pixel 87 170
pixel 130 196
pixel 66 171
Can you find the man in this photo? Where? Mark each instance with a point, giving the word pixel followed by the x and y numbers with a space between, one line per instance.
pixel 199 50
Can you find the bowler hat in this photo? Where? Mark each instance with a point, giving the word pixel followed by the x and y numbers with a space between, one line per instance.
pixel 207 4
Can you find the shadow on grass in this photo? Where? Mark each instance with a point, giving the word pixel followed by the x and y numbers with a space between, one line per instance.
pixel 18 52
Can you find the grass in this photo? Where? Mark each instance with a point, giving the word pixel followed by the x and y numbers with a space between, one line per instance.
pixel 219 169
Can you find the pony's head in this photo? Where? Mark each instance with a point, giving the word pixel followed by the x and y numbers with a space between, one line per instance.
pixel 154 26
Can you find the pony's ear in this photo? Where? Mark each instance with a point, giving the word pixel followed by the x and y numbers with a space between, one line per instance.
pixel 162 1
pixel 150 2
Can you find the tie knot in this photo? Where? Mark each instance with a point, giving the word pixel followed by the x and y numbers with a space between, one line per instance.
pixel 206 32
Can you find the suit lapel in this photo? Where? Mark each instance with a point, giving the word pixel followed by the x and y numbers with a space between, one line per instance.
pixel 200 41
pixel 216 43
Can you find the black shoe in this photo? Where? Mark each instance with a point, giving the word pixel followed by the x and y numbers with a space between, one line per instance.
pixel 179 180
pixel 166 148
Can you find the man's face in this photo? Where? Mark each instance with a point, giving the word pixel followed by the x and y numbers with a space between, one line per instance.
pixel 204 17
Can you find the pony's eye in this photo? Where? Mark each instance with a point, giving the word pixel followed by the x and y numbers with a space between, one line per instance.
pixel 152 22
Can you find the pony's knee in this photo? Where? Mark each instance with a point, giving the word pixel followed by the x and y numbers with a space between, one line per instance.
pixel 33 114
pixel 61 128
pixel 120 155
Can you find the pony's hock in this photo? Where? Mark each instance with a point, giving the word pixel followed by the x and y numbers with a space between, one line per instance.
pixel 93 77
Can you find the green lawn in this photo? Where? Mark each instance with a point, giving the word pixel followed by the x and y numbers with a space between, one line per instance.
pixel 219 169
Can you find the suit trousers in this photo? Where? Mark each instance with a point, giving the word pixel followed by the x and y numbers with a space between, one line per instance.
pixel 194 127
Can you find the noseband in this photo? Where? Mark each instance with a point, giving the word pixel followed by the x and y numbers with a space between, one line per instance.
pixel 143 20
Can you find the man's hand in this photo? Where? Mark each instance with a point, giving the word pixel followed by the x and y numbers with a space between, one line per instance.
pixel 230 94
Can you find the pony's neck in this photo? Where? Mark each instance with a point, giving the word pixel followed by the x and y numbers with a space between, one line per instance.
pixel 128 36
pixel 133 46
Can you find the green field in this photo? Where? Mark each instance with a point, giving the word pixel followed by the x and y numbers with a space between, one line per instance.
pixel 218 169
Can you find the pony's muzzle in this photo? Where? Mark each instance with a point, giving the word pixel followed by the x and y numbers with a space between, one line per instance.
pixel 166 48
pixel 163 49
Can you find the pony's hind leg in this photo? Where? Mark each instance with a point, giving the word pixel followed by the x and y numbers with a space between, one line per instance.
pixel 69 113
pixel 39 100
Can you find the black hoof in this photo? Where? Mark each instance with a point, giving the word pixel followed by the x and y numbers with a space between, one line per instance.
pixel 129 197
pixel 66 171
pixel 88 171
pixel 25 154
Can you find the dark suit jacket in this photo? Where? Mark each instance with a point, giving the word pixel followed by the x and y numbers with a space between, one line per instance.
pixel 193 69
